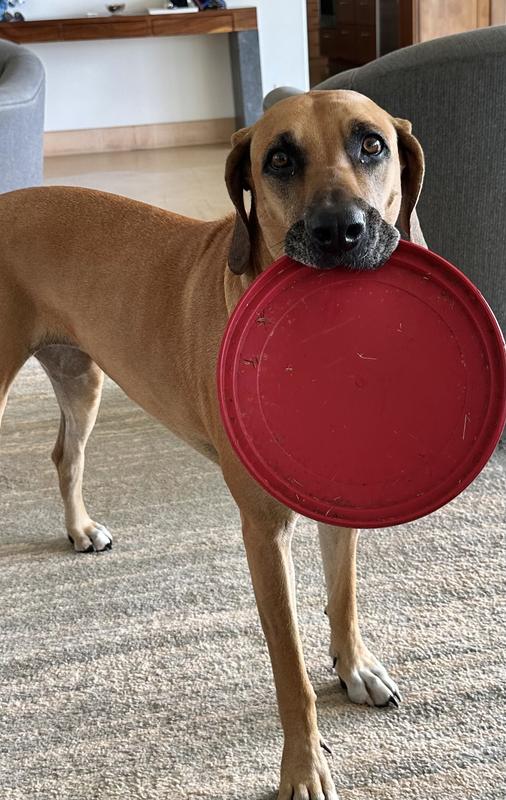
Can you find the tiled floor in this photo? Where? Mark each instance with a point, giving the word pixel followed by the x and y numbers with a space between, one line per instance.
pixel 189 180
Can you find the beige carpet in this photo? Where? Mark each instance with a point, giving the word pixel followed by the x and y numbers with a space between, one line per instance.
pixel 142 674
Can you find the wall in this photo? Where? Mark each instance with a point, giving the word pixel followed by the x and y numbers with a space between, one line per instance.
pixel 145 81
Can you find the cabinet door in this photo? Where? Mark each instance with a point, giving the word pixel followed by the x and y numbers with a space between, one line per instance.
pixel 328 42
pixel 498 12
pixel 346 42
pixel 345 10
pixel 366 12
pixel 366 44
pixel 434 18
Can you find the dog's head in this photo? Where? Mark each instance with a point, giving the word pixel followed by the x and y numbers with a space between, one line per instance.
pixel 330 175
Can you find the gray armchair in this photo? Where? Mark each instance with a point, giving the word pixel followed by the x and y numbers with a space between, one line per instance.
pixel 453 90
pixel 22 84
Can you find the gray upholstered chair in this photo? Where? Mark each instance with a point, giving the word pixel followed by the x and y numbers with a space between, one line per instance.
pixel 454 91
pixel 22 84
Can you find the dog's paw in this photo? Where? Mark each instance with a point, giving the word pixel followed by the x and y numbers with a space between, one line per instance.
pixel 94 538
pixel 305 774
pixel 366 680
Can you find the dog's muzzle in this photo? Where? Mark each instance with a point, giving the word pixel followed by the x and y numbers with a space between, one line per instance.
pixel 347 234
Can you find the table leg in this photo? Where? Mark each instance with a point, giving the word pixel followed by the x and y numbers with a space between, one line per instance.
pixel 246 76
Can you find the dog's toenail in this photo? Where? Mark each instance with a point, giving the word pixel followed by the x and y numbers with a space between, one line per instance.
pixel 324 746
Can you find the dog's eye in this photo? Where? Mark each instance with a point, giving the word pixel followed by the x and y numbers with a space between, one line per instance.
pixel 279 160
pixel 372 145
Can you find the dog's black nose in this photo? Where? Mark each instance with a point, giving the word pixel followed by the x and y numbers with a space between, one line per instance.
pixel 336 227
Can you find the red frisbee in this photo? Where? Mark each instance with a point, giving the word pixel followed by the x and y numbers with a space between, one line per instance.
pixel 364 399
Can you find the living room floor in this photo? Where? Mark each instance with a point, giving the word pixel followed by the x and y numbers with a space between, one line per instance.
pixel 142 673
pixel 188 180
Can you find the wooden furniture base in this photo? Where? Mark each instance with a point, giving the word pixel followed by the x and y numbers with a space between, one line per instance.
pixel 123 26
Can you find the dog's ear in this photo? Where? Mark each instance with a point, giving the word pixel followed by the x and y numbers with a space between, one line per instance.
pixel 237 178
pixel 412 171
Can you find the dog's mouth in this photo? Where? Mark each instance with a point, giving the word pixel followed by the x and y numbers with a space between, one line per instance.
pixel 373 250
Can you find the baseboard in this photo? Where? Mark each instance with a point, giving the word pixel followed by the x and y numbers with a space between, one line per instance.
pixel 139 137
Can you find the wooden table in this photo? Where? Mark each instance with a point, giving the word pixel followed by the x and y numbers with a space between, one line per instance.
pixel 239 23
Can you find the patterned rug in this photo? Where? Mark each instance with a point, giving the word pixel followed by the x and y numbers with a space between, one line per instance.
pixel 142 673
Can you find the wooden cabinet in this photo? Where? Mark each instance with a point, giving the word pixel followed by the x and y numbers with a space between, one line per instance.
pixel 345 41
pixel 349 43
pixel 366 44
pixel 365 11
pixel 328 42
pixel 421 20
pixel 345 10
pixel 351 39
pixel 318 64
pixel 442 17
pixel 358 31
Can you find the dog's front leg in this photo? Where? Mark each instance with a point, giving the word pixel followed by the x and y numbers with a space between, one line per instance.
pixel 267 535
pixel 365 678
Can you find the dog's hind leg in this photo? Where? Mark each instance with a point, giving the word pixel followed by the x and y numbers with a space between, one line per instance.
pixel 77 382
pixel 364 677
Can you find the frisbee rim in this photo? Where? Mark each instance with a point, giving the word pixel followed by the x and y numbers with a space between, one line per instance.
pixel 351 516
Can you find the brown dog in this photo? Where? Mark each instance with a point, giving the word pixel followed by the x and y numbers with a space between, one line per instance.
pixel 92 282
